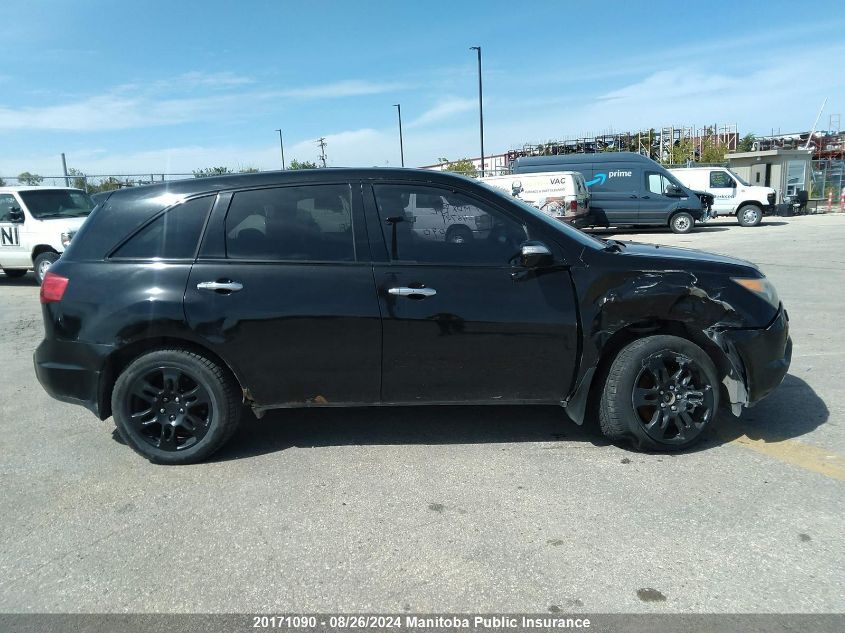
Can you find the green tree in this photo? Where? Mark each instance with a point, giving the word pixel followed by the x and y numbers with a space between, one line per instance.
pixel 249 169
pixel 211 171
pixel 712 151
pixel 25 178
pixel 746 143
pixel 463 166
pixel 2 183
pixel 107 184
pixel 77 179
pixel 302 164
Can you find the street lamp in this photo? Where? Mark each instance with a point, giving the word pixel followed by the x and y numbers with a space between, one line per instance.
pixel 282 148
pixel 401 146
pixel 480 107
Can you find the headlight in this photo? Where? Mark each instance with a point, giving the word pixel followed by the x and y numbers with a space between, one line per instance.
pixel 67 236
pixel 760 286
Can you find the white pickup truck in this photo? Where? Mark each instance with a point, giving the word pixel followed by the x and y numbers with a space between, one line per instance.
pixel 732 194
pixel 37 224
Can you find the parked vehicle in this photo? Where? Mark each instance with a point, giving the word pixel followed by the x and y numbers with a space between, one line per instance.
pixel 36 225
pixel 626 189
pixel 178 303
pixel 562 195
pixel 434 217
pixel 732 195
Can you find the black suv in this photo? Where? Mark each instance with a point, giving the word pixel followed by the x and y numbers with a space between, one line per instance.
pixel 177 304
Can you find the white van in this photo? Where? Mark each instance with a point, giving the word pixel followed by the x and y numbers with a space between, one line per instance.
pixel 37 224
pixel 561 194
pixel 733 195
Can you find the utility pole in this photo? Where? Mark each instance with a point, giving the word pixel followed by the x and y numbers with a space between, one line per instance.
pixel 401 147
pixel 322 144
pixel 64 169
pixel 282 148
pixel 480 107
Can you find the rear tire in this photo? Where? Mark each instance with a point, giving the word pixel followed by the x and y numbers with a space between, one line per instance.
pixel 174 406
pixel 661 393
pixel 458 235
pixel 681 223
pixel 42 264
pixel 749 215
pixel 14 273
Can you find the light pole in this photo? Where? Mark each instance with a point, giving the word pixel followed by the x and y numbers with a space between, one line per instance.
pixel 401 146
pixel 480 107
pixel 282 148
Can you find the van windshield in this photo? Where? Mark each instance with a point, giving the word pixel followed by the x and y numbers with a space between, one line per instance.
pixel 44 204
pixel 562 227
pixel 742 180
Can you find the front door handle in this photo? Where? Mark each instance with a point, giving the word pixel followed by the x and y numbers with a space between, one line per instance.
pixel 412 292
pixel 222 286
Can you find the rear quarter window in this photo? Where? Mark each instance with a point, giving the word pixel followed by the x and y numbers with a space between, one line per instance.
pixel 174 234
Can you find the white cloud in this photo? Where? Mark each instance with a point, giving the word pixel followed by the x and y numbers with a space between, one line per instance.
pixel 348 88
pixel 445 109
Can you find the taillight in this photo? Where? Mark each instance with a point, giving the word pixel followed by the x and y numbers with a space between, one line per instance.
pixel 53 287
pixel 573 205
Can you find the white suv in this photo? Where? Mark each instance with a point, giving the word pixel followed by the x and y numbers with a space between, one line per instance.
pixel 36 224
pixel 733 195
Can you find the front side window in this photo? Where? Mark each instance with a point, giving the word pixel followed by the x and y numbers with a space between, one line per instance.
pixel 721 180
pixel 7 203
pixel 308 223
pixel 657 183
pixel 45 204
pixel 173 235
pixel 432 225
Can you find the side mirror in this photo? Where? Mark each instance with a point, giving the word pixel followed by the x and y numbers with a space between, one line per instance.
pixel 16 215
pixel 534 254
pixel 674 190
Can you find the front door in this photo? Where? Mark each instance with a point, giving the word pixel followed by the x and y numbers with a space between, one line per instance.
pixel 655 205
pixel 460 323
pixel 13 253
pixel 723 188
pixel 284 291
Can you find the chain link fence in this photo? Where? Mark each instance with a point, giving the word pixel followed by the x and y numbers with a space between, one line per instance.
pixel 92 182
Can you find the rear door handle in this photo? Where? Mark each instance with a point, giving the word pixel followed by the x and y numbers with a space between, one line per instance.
pixel 412 292
pixel 224 286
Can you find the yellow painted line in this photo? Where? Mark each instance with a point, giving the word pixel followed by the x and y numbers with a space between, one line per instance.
pixel 806 456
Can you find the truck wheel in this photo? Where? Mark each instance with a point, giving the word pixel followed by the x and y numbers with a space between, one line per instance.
pixel 174 406
pixel 681 222
pixel 749 215
pixel 458 235
pixel 43 263
pixel 14 273
pixel 661 393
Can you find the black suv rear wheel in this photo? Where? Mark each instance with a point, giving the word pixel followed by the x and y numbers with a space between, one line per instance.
pixel 174 406
pixel 661 393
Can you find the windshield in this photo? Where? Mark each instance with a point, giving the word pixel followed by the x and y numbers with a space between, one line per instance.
pixel 57 203
pixel 570 231
pixel 742 180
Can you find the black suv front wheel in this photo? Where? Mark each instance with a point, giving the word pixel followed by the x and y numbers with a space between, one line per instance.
pixel 661 393
pixel 174 406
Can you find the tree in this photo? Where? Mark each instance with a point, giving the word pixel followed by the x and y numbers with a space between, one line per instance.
pixel 2 183
pixel 249 169
pixel 25 178
pixel 211 171
pixel 463 166
pixel 78 179
pixel 106 185
pixel 304 164
pixel 746 143
pixel 712 151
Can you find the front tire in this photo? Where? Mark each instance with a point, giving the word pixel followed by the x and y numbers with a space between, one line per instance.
pixel 458 235
pixel 42 264
pixel 749 215
pixel 174 406
pixel 681 223
pixel 14 273
pixel 661 393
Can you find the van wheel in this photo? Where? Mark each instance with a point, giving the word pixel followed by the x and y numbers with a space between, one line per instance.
pixel 14 273
pixel 458 235
pixel 749 215
pixel 174 406
pixel 42 264
pixel 661 393
pixel 681 222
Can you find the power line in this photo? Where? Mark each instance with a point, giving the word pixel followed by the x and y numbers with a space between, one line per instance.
pixel 322 144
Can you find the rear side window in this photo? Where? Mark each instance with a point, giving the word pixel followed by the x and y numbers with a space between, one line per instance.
pixel 172 235
pixel 308 223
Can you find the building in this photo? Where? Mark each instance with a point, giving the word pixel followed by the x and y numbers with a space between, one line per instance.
pixel 787 171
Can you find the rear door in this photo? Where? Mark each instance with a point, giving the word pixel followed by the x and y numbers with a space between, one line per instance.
pixel 283 290
pixel 460 323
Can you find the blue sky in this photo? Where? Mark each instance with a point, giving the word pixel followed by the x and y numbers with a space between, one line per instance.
pixel 172 86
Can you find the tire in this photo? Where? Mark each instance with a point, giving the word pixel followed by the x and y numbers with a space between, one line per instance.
pixel 174 406
pixel 749 215
pixel 458 235
pixel 42 264
pixel 645 381
pixel 14 273
pixel 681 222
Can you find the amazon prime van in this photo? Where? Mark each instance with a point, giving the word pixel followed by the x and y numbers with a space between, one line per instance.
pixel 626 189
pixel 562 195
